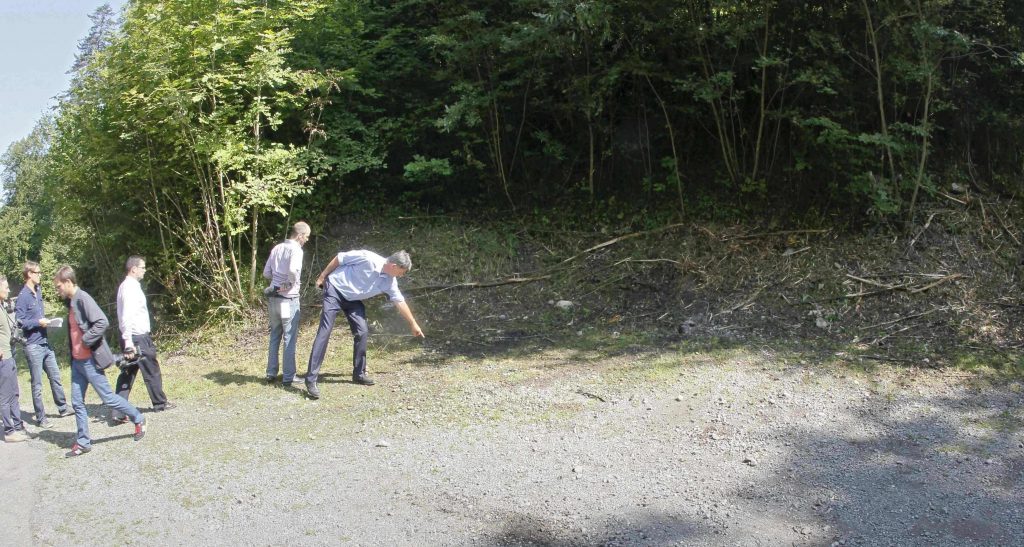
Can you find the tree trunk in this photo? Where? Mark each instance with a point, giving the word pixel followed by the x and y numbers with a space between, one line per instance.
pixel 873 38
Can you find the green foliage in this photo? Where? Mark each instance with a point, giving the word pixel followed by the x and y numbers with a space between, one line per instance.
pixel 181 144
pixel 195 131
pixel 421 169
pixel 26 209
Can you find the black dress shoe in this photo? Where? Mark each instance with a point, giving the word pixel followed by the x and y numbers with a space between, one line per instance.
pixel 166 406
pixel 312 390
pixel 363 380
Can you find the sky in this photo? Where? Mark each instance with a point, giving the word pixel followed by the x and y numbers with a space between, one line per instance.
pixel 38 42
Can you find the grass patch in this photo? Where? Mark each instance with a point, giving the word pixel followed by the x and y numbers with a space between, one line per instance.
pixel 1006 422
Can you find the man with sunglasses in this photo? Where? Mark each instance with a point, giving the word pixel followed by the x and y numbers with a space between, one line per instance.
pixel 40 356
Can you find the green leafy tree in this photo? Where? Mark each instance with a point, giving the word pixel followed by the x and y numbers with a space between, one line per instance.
pixel 180 134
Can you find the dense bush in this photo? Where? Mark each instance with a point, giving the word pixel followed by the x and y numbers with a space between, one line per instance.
pixel 195 130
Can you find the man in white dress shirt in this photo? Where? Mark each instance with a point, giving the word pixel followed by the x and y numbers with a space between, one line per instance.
pixel 284 271
pixel 133 318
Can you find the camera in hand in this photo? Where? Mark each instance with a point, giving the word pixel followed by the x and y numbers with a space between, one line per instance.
pixel 276 290
pixel 17 335
pixel 127 360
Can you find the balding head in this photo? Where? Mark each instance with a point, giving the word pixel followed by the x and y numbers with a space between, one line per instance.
pixel 300 232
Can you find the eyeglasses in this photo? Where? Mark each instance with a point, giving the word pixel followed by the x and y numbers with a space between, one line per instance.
pixel 37 272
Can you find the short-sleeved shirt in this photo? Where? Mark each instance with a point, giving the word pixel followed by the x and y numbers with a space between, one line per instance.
pixel 284 267
pixel 360 275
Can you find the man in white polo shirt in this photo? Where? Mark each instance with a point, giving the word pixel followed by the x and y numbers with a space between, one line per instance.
pixel 284 271
pixel 133 319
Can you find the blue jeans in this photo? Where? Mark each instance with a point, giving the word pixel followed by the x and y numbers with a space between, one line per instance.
pixel 288 328
pixel 84 374
pixel 41 358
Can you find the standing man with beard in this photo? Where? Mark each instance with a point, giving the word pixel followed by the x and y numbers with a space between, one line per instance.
pixel 90 356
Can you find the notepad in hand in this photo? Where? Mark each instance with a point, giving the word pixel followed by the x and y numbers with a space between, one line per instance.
pixel 55 323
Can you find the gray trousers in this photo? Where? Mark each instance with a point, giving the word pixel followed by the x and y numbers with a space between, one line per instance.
pixel 9 393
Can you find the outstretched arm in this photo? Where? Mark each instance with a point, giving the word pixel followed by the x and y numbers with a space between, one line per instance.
pixel 403 309
pixel 333 265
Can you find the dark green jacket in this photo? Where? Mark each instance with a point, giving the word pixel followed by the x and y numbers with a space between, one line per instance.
pixel 6 345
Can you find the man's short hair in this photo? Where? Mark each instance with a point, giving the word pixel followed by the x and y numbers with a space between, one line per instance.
pixel 402 260
pixel 133 261
pixel 66 273
pixel 300 229
pixel 28 267
pixel 3 280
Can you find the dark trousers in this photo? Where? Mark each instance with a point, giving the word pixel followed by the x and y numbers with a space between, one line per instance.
pixel 355 312
pixel 9 409
pixel 150 368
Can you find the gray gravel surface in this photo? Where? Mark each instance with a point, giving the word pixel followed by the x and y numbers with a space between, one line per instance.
pixel 560 449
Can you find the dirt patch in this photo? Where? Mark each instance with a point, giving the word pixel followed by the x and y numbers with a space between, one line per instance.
pixel 740 445
pixel 711 386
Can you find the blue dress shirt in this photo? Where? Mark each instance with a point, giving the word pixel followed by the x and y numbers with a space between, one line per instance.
pixel 29 310
pixel 360 275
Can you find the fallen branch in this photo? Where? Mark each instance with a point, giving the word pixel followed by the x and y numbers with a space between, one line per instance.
pixel 620 239
pixel 746 302
pixel 887 288
pixel 782 233
pixel 873 293
pixel 923 230
pixel 949 197
pixel 935 284
pixel 1005 227
pixel 879 340
pixel 904 318
pixel 884 358
pixel 478 285
pixel 625 260
pixel 869 282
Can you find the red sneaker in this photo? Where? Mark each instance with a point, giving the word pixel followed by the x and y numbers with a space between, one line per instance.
pixel 140 430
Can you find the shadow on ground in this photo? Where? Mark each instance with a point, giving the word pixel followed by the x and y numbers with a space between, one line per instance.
pixel 524 530
pixel 907 474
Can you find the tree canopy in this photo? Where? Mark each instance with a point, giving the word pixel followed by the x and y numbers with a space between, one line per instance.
pixel 194 131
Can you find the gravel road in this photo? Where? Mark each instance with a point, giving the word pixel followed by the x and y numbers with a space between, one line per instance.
pixel 560 448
